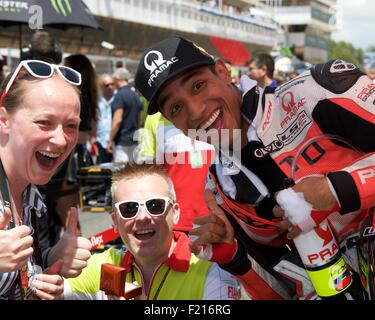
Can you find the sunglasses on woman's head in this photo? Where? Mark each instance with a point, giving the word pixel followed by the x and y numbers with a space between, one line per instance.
pixel 43 70
pixel 155 206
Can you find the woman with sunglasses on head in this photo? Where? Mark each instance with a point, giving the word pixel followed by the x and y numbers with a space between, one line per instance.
pixel 39 120
pixel 158 259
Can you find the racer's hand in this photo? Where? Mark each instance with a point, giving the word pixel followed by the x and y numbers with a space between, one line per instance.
pixel 285 224
pixel 16 245
pixel 75 251
pixel 214 238
pixel 49 285
pixel 316 191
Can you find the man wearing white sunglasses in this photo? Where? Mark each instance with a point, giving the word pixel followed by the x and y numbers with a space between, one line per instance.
pixel 158 259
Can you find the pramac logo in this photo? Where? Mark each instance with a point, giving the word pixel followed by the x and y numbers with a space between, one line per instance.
pixel 288 102
pixel 156 64
pixel 156 60
pixel 325 235
pixel 62 7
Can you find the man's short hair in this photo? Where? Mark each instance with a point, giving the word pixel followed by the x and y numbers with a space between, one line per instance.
pixel 264 59
pixel 122 74
pixel 131 171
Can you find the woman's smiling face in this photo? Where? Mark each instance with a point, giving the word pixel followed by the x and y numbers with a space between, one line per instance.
pixel 43 130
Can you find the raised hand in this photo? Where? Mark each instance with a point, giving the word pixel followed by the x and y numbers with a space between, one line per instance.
pixel 213 239
pixel 314 203
pixel 16 245
pixel 73 250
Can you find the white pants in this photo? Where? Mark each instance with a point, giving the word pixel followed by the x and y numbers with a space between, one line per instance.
pixel 123 153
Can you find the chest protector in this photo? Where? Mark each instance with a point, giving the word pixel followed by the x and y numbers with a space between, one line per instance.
pixel 296 142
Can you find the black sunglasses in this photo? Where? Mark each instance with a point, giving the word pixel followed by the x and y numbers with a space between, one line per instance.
pixel 129 209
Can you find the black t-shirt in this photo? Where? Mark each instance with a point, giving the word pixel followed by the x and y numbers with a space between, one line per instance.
pixel 128 100
pixel 86 114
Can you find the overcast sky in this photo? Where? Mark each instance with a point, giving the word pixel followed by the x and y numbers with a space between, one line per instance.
pixel 358 23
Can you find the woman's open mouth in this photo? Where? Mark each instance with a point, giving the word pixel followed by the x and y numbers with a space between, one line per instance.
pixel 46 159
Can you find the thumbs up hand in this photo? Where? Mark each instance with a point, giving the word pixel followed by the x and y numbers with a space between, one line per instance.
pixel 213 239
pixel 16 245
pixel 75 251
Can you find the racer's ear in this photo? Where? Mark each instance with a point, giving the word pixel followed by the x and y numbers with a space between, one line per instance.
pixel 222 71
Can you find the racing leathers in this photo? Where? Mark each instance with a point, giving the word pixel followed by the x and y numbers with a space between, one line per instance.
pixel 320 123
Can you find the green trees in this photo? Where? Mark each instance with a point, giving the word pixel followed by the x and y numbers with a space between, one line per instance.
pixel 346 51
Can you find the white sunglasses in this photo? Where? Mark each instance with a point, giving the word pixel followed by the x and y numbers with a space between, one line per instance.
pixel 43 70
pixel 155 206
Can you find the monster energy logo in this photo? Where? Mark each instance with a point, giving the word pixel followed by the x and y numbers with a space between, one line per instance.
pixel 60 8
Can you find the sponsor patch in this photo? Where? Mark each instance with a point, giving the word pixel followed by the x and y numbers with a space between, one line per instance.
pixel 295 129
pixel 366 92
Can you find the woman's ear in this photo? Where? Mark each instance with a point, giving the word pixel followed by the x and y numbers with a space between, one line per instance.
pixel 223 71
pixel 4 119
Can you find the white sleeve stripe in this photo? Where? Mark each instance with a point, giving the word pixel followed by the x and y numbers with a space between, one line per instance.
pixel 366 162
pixel 220 285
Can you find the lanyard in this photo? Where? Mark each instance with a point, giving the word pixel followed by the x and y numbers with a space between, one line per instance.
pixel 4 194
pixel 160 285
pixel 24 275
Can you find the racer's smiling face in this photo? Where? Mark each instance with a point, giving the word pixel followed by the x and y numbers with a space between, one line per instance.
pixel 147 237
pixel 203 100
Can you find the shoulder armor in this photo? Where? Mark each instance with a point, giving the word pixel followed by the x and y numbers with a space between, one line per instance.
pixel 336 76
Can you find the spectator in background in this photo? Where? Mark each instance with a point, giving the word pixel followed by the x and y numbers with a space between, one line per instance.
pixel 89 95
pixel 43 46
pixel 126 109
pixel 103 130
pixel 261 69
